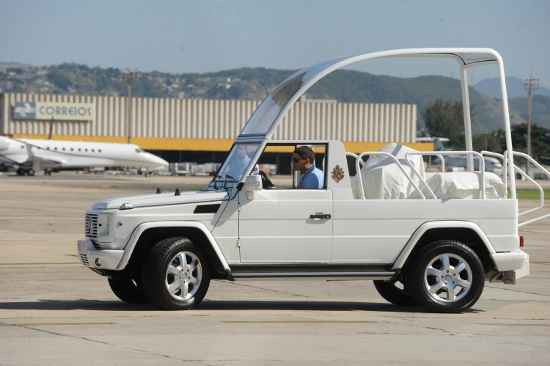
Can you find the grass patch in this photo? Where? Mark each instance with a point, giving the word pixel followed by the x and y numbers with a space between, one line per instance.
pixel 532 194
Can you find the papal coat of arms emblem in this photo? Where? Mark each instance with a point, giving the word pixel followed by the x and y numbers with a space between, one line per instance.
pixel 337 173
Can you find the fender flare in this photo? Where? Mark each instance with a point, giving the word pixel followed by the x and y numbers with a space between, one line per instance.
pixel 140 229
pixel 422 229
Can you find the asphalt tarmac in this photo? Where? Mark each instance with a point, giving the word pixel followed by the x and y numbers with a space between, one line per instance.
pixel 53 311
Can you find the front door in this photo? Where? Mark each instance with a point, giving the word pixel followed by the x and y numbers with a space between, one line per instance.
pixel 285 226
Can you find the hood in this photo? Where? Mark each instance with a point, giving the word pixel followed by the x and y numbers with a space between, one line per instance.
pixel 159 200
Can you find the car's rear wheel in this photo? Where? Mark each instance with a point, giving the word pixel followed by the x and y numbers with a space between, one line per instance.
pixel 394 292
pixel 128 290
pixel 446 276
pixel 176 274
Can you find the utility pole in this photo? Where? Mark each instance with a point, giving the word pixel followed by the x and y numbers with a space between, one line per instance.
pixel 531 84
pixel 129 76
pixel 50 130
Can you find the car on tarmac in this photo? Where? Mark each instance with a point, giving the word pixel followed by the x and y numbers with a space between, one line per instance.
pixel 427 239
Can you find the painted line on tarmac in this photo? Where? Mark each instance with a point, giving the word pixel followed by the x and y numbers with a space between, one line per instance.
pixel 299 322
pixel 41 217
pixel 40 324
pixel 38 263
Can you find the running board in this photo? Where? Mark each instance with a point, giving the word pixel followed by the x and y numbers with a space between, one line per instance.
pixel 308 271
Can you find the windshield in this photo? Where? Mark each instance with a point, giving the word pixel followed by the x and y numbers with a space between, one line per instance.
pixel 265 115
pixel 263 119
pixel 235 165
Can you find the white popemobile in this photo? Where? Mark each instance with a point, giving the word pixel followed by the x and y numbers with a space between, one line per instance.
pixel 428 239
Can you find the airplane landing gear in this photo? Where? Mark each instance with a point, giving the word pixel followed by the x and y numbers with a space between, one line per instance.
pixel 29 172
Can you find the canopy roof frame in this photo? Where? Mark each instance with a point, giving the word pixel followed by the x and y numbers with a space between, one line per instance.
pixel 466 58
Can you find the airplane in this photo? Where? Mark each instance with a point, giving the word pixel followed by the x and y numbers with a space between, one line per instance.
pixel 31 155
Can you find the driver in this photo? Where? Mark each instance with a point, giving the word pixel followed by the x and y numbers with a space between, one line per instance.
pixel 304 161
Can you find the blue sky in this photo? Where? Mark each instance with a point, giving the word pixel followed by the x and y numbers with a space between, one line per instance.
pixel 199 36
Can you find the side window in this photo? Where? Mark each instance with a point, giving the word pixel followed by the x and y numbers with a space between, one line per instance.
pixel 293 166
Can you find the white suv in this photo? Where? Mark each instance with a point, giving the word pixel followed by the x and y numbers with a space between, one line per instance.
pixel 422 241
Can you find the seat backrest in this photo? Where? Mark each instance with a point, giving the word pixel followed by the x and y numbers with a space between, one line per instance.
pixel 382 177
pixel 465 185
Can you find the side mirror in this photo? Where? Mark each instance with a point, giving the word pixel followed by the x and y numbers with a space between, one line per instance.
pixel 252 183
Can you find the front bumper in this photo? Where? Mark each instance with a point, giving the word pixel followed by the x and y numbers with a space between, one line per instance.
pixel 91 257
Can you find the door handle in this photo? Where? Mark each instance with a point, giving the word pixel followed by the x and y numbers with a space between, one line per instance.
pixel 320 216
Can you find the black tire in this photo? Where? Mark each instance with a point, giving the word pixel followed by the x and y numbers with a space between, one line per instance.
pixel 128 290
pixel 155 275
pixel 418 283
pixel 393 294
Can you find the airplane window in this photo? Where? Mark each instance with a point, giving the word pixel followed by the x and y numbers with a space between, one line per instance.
pixel 138 150
pixel 93 150
pixel 63 149
pixel 72 149
pixel 98 150
pixel 86 150
pixel 55 148
pixel 79 149
pixel 47 148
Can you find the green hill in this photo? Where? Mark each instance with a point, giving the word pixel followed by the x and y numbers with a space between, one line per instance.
pixel 254 83
pixel 541 109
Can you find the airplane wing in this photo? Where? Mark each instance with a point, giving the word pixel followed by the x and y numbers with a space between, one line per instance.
pixel 41 157
pixel 47 158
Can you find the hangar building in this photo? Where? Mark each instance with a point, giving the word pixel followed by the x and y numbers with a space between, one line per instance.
pixel 198 129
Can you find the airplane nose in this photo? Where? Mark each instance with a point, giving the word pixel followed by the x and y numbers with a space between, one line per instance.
pixel 156 161
pixel 163 163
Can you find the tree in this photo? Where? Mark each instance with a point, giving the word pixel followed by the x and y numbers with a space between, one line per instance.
pixel 444 119
pixel 493 141
pixel 540 140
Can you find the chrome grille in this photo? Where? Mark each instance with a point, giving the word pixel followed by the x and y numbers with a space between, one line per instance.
pixel 84 259
pixel 90 226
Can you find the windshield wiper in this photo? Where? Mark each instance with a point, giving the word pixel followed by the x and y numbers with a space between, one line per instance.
pixel 230 177
pixel 224 179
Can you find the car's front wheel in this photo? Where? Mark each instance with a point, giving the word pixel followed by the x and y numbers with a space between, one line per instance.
pixel 176 274
pixel 446 276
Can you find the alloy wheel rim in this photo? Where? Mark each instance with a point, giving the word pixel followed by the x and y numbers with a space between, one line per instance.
pixel 448 278
pixel 183 275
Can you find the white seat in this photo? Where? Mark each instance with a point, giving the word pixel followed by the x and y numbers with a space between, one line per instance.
pixel 465 185
pixel 382 177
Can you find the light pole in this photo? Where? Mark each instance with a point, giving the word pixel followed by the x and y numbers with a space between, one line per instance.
pixel 530 84
pixel 129 76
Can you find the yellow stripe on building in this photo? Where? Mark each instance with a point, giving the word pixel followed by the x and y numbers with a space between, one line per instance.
pixel 180 144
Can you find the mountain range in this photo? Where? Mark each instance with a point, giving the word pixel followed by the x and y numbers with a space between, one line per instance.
pixel 515 87
pixel 254 83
